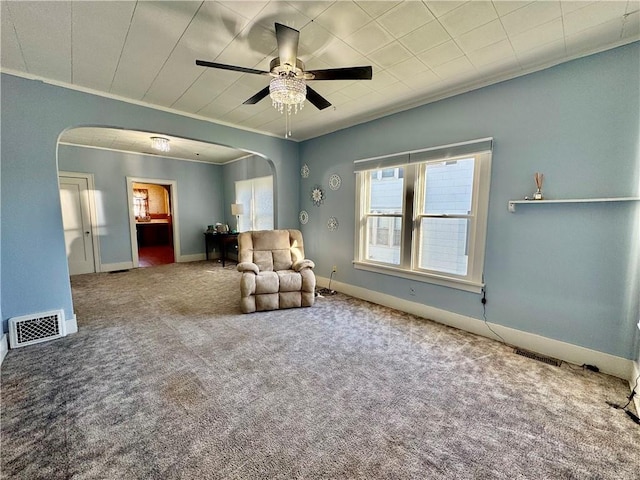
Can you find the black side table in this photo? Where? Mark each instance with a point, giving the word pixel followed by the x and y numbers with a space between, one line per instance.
pixel 223 241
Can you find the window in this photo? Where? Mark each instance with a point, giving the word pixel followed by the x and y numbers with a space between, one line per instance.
pixel 141 202
pixel 422 214
pixel 256 197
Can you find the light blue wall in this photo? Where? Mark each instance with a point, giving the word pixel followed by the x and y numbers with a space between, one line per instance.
pixel 33 114
pixel 246 168
pixel 199 187
pixel 1 317
pixel 560 271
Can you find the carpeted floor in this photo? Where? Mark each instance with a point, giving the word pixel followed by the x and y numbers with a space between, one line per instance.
pixel 166 379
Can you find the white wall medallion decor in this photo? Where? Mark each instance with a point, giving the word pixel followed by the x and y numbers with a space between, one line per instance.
pixel 335 181
pixel 304 171
pixel 332 224
pixel 303 217
pixel 317 195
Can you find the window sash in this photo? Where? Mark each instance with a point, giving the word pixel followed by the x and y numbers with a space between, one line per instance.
pixel 256 196
pixel 441 242
pixel 450 257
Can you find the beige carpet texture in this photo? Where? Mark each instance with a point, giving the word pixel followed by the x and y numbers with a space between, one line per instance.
pixel 166 379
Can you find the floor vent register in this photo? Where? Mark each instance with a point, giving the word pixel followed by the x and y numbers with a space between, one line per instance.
pixel 41 327
pixel 536 356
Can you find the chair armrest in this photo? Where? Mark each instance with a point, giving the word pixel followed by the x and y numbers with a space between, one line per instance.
pixel 248 267
pixel 304 263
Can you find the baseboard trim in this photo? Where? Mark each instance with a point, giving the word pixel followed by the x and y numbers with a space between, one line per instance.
pixel 607 363
pixel 4 347
pixel 196 257
pixel 70 325
pixel 113 267
pixel 632 383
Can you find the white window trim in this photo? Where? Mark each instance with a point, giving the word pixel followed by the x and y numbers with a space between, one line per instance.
pixel 472 283
pixel 250 211
pixel 419 276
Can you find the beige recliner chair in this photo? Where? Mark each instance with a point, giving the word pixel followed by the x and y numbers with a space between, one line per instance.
pixel 275 273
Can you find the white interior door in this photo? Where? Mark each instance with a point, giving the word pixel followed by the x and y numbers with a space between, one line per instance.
pixel 76 220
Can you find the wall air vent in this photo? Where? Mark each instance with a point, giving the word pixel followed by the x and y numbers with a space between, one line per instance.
pixel 40 327
pixel 536 356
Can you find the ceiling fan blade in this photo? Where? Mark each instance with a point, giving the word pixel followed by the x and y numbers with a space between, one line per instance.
pixel 348 73
pixel 316 99
pixel 257 97
pixel 288 39
pixel 233 68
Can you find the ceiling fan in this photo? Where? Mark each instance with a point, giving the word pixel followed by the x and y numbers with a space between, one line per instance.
pixel 288 88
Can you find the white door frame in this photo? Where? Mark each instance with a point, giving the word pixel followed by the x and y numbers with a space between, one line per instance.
pixel 93 215
pixel 132 216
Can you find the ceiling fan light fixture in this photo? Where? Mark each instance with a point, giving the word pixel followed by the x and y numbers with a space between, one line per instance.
pixel 160 143
pixel 288 89
pixel 288 92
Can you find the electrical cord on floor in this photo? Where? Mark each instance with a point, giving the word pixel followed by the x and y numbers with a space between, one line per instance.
pixel 584 366
pixel 631 415
pixel 326 291
pixel 484 316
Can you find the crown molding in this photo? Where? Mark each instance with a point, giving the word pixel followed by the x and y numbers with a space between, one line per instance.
pixel 69 86
pixel 464 88
pixel 357 119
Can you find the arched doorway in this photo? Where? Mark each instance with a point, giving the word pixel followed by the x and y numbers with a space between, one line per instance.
pixel 202 173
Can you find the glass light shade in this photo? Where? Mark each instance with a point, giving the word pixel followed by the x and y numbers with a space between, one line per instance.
pixel 288 91
pixel 160 143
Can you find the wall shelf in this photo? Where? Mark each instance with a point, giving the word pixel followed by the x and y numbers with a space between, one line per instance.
pixel 513 203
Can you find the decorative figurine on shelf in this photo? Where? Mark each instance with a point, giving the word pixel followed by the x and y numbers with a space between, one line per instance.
pixel 539 178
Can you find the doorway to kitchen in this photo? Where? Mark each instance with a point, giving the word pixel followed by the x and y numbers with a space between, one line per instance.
pixel 153 221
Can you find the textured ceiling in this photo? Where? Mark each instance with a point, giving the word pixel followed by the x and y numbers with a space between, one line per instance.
pixel 140 142
pixel 420 51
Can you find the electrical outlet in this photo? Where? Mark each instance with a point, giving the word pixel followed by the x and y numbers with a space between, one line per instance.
pixel 334 269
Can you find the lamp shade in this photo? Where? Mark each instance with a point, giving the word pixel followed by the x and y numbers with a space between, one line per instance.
pixel 237 209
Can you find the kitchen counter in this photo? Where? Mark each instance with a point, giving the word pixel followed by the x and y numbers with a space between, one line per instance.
pixel 154 220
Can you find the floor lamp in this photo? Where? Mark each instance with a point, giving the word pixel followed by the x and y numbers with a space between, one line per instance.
pixel 237 209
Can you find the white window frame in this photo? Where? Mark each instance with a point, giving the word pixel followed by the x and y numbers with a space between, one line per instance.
pixel 247 220
pixel 413 199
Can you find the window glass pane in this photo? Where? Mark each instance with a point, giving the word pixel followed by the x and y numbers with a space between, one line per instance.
pixel 386 192
pixel 243 196
pixel 449 187
pixel 443 245
pixel 380 232
pixel 263 203
pixel 397 229
pixel 256 197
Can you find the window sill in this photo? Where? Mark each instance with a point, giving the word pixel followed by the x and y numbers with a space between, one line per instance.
pixel 466 285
